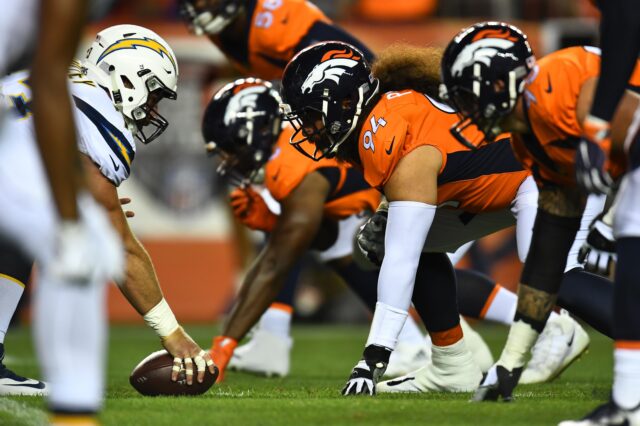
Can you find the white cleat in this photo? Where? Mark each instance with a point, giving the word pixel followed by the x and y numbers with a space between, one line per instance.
pixel 12 384
pixel 561 343
pixel 265 353
pixel 452 369
pixel 408 357
pixel 607 414
pixel 477 346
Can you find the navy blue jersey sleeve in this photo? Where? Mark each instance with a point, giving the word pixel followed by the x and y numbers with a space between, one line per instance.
pixel 620 42
pixel 322 31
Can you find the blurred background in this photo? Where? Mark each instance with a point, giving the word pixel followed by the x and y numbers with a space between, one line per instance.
pixel 181 211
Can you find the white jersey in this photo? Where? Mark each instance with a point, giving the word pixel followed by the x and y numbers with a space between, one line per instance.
pixel 101 131
pixel 17 31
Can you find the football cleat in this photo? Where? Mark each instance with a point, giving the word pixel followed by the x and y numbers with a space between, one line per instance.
pixel 408 357
pixel 13 384
pixel 498 382
pixel 452 369
pixel 561 343
pixel 477 346
pixel 265 353
pixel 608 414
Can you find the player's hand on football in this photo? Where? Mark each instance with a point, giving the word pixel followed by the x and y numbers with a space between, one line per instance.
pixel 251 210
pixel 221 352
pixel 367 371
pixel 188 355
pixel 591 158
pixel 598 252
pixel 123 202
pixel 370 238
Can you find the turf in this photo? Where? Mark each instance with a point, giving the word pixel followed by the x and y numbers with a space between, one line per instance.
pixel 322 359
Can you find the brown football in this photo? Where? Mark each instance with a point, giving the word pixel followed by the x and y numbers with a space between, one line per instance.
pixel 152 377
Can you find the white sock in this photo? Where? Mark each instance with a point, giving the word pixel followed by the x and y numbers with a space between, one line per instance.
pixel 10 292
pixel 277 320
pixel 626 378
pixel 411 333
pixel 70 333
pixel 501 306
pixel 520 340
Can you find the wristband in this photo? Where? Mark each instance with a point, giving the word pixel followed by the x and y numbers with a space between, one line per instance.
pixel 161 319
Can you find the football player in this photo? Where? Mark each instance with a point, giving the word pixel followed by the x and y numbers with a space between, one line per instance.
pixel 491 76
pixel 55 28
pixel 260 37
pixel 115 92
pixel 400 141
pixel 620 41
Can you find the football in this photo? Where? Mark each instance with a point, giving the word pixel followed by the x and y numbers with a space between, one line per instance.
pixel 152 377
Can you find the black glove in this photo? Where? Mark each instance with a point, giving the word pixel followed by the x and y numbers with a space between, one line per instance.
pixel 598 252
pixel 370 238
pixel 367 371
pixel 591 175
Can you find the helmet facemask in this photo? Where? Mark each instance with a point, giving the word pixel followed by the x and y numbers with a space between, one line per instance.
pixel 203 18
pixel 147 114
pixel 322 127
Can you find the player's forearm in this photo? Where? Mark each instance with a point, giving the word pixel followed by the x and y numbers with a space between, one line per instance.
pixel 260 289
pixel 51 105
pixel 620 42
pixel 141 287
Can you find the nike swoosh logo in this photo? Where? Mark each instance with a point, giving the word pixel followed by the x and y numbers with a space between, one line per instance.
pixel 275 175
pixel 570 342
pixel 549 88
pixel 38 385
pixel 398 382
pixel 115 166
pixel 388 151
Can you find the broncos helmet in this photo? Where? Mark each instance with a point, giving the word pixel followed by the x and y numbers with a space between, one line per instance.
pixel 138 69
pixel 209 16
pixel 240 125
pixel 483 74
pixel 326 90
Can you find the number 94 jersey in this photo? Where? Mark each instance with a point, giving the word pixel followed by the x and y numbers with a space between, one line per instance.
pixel 101 131
pixel 483 180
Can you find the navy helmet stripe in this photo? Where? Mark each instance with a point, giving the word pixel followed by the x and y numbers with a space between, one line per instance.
pixel 108 132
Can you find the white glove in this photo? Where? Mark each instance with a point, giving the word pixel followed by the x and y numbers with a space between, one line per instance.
pixel 88 250
pixel 598 252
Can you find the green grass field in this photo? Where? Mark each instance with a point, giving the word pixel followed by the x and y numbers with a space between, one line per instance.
pixel 322 359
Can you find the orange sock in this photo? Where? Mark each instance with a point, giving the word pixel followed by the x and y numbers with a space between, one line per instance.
pixel 446 337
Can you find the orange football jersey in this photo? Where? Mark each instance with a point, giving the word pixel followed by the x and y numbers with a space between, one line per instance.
pixel 276 27
pixel 287 168
pixel 550 102
pixel 477 181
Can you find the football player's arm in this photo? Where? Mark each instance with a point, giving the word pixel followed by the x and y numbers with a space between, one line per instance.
pixel 60 29
pixel 297 225
pixel 141 286
pixel 620 43
pixel 412 192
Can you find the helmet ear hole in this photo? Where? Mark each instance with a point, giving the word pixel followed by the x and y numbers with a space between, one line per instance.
pixel 127 83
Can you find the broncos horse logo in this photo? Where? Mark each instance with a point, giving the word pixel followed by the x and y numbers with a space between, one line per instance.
pixel 483 51
pixel 331 67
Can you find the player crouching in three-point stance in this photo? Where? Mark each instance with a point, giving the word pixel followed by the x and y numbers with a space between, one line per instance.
pixel 401 141
pixel 126 72
pixel 491 77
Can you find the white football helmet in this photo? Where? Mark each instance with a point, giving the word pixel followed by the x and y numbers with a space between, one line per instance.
pixel 138 68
